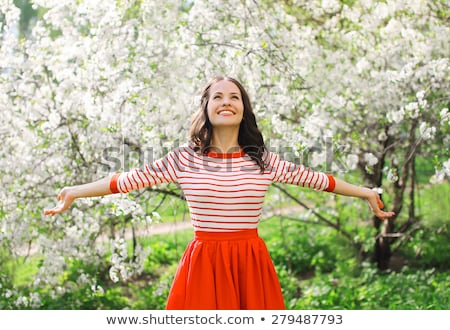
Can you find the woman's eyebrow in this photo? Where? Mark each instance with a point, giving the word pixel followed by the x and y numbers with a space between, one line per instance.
pixel 237 93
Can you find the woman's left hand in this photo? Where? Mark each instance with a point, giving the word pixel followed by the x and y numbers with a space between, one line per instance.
pixel 377 205
pixel 372 197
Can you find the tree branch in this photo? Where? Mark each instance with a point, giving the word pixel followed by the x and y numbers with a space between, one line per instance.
pixel 321 217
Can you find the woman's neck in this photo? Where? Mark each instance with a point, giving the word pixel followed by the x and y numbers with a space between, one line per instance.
pixel 225 140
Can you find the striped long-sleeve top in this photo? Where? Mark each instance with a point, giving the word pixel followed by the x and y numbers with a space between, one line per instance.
pixel 224 192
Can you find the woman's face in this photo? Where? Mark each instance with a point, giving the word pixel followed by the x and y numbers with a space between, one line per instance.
pixel 225 106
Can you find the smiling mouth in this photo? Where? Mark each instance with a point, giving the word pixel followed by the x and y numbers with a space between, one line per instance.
pixel 226 112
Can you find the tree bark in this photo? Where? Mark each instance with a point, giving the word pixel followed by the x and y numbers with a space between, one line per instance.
pixel 383 253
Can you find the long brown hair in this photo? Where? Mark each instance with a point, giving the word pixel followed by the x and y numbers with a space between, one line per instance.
pixel 250 138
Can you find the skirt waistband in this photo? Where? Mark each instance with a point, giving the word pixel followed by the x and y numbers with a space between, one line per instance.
pixel 226 236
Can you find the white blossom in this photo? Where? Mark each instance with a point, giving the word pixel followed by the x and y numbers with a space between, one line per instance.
pixel 393 29
pixel 21 302
pixel 445 116
pixel 427 132
pixel 396 116
pixel 370 159
pixel 156 216
pixel 35 300
pixel 446 167
pixel 412 109
pixel 362 65
pixel 97 289
pixel 382 136
pixel 378 190
pixel 392 175
pixel 420 95
pixel 330 6
pixel 381 10
pixel 438 177
pixel 352 161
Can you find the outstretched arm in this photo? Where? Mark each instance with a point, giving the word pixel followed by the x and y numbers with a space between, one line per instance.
pixel 68 194
pixel 372 197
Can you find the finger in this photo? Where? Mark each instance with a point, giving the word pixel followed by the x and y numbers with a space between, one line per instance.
pixel 49 212
pixel 380 204
pixel 381 217
pixel 385 215
pixel 53 211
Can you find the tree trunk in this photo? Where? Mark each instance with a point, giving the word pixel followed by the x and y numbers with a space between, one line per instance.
pixel 383 253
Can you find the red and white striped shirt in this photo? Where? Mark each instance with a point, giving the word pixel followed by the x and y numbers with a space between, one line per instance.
pixel 224 192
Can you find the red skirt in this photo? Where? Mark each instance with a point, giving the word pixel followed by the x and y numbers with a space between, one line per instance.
pixel 226 271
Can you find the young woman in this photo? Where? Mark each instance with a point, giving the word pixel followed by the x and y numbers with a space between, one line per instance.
pixel 224 172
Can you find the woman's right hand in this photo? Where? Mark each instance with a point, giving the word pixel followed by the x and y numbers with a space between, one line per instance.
pixel 65 199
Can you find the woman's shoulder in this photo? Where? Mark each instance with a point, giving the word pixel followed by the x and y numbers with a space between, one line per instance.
pixel 268 155
pixel 184 148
